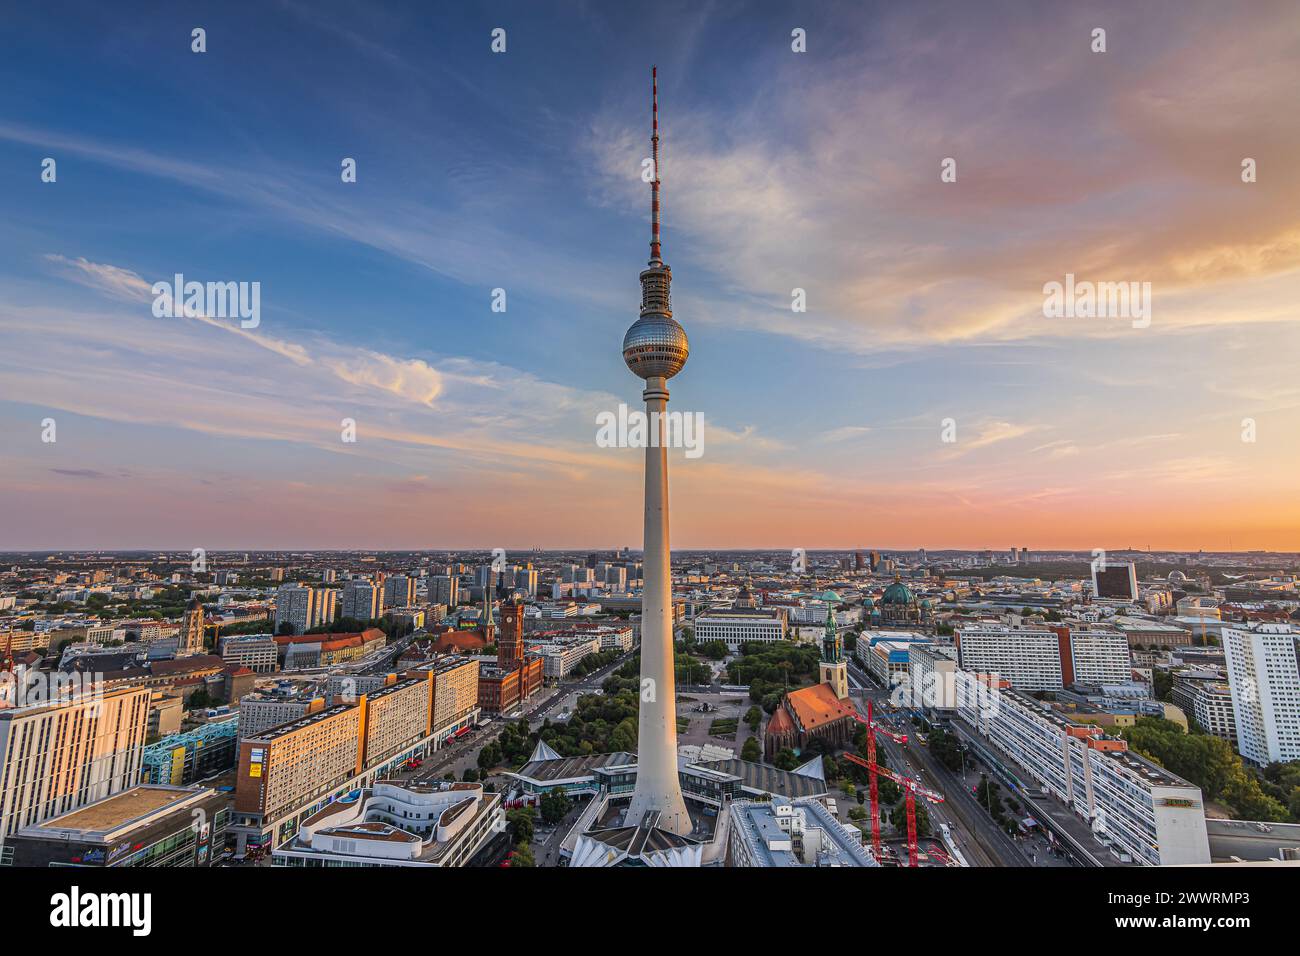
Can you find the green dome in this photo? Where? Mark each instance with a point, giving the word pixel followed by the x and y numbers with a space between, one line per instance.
pixel 829 596
pixel 897 593
pixel 868 603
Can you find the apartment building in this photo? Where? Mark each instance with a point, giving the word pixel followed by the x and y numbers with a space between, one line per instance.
pixel 399 591
pixel 1264 679
pixel 1045 658
pixel 455 692
pixel 258 712
pixel 1142 812
pixel 294 606
pixel 1206 698
pixel 444 589
pixel 394 718
pixel 289 772
pixel 361 600
pixel 1096 657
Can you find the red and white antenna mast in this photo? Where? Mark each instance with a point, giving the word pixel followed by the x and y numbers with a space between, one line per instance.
pixel 655 254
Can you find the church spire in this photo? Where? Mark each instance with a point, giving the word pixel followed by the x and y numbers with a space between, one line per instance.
pixel 831 638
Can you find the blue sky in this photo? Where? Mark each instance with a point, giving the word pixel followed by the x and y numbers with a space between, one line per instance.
pixel 521 170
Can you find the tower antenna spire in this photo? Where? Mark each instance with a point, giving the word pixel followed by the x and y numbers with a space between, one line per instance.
pixel 656 257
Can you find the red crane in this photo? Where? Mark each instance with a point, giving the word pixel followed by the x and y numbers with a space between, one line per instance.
pixel 910 787
pixel 870 764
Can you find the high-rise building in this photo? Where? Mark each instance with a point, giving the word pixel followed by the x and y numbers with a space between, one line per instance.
pixel 1045 658
pixel 326 604
pixel 362 600
pixel 526 581
pixel 1115 581
pixel 399 591
pixel 294 605
pixel 655 348
pixel 60 755
pixel 444 589
pixel 1264 678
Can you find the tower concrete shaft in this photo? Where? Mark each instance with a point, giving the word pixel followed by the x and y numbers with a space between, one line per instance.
pixel 658 786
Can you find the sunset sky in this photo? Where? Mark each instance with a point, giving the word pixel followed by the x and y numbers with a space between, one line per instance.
pixel 816 170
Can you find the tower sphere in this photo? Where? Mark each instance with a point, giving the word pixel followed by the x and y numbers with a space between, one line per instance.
pixel 655 346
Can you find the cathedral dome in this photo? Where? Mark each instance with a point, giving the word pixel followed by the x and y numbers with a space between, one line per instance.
pixel 897 593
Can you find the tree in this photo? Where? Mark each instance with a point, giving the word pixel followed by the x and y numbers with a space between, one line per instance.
pixel 555 807
pixel 523 857
pixel 520 824
pixel 898 817
pixel 713 650
pixel 489 756
pixel 750 751
pixel 785 760
pixel 1162 683
pixel 200 699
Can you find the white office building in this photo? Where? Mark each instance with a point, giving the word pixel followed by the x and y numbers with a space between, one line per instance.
pixel 1264 678
pixel 737 628
pixel 559 658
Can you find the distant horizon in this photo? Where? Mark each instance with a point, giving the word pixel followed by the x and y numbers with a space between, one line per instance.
pixel 512 552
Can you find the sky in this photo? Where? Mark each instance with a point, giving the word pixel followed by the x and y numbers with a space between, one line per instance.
pixel 817 170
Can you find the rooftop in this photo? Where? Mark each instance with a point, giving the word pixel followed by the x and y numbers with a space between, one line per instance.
pixel 817 706
pixel 123 809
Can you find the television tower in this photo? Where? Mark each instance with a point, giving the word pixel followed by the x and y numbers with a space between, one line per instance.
pixel 655 348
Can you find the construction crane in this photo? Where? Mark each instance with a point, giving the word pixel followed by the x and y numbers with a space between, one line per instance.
pixel 870 721
pixel 911 788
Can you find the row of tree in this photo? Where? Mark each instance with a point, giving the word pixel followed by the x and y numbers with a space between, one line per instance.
pixel 1211 764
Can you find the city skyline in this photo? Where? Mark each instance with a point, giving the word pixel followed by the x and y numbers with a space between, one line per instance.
pixel 817 171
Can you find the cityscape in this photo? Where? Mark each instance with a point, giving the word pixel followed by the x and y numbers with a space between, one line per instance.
pixel 936 517
pixel 476 709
